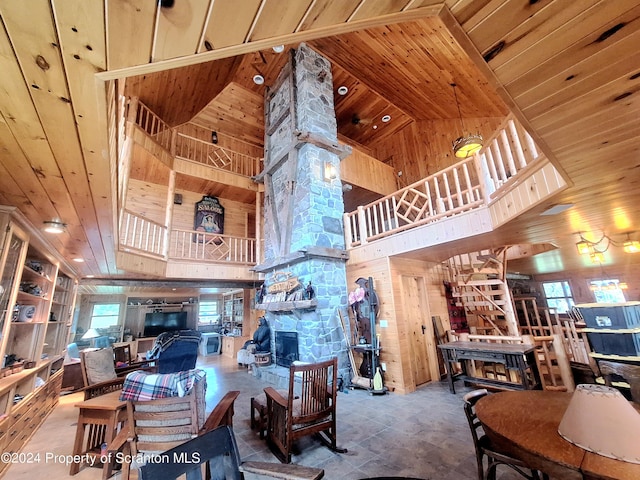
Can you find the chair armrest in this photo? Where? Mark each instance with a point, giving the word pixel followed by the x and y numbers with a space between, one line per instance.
pixel 120 440
pixel 222 413
pixel 285 471
pixel 273 394
pixel 101 388
pixel 123 371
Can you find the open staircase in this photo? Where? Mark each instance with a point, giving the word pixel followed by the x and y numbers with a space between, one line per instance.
pixel 479 285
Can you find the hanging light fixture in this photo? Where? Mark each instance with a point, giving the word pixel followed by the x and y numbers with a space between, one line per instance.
pixel 469 144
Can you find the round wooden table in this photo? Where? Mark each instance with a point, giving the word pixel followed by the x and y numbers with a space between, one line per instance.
pixel 525 423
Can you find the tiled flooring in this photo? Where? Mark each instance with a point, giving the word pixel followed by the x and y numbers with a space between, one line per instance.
pixel 422 434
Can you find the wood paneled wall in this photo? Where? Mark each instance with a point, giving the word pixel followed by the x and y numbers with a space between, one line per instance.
pixel 424 147
pixel 367 172
pixel 224 140
pixel 150 200
pixel 386 274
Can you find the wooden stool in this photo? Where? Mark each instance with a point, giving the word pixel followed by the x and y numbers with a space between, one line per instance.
pixel 259 407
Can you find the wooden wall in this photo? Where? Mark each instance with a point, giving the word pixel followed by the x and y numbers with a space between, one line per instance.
pixel 386 274
pixel 425 147
pixel 224 141
pixel 367 172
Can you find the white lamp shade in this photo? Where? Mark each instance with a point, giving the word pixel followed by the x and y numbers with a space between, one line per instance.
pixel 91 333
pixel 600 420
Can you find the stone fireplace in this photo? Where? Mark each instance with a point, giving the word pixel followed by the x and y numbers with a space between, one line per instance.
pixel 304 245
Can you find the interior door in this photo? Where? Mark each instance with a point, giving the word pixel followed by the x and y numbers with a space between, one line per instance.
pixel 419 326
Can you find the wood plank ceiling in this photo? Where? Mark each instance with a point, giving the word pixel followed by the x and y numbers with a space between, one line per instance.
pixel 569 70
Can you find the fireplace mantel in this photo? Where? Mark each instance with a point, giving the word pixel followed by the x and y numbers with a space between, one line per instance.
pixel 288 306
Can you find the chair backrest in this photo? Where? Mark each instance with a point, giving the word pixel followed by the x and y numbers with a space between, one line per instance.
pixel 630 373
pixel 470 400
pixel 219 444
pixel 313 389
pixel 97 366
pixel 159 425
pixel 553 364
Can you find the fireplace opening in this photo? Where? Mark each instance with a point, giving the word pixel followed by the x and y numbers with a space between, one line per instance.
pixel 286 344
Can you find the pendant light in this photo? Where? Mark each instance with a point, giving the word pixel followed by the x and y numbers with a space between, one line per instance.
pixel 469 144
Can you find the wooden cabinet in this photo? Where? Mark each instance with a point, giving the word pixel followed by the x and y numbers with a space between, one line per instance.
pixel 36 305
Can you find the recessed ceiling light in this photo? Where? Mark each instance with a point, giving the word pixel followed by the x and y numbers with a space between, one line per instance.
pixel 342 90
pixel 89 276
pixel 386 118
pixel 375 127
pixel 78 260
pixel 278 48
pixel 258 79
pixel 556 209
pixel 54 226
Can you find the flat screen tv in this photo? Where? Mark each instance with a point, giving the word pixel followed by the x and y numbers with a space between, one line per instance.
pixel 156 323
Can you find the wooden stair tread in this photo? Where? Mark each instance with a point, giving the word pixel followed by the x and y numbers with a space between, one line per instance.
pixel 288 471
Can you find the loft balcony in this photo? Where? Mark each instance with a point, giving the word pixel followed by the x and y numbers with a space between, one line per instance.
pixel 509 176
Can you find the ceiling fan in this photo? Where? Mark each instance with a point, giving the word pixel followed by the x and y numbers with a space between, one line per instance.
pixel 356 120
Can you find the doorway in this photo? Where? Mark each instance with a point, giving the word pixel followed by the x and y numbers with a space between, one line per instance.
pixel 419 327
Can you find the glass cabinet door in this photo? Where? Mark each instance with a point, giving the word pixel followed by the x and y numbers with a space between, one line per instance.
pixel 12 257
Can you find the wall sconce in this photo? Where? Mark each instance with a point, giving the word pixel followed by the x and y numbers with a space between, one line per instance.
pixel 214 137
pixel 54 226
pixel 330 172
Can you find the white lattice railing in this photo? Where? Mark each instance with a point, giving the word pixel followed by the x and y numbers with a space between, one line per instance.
pixel 209 247
pixel 465 186
pixel 143 235
pixel 211 155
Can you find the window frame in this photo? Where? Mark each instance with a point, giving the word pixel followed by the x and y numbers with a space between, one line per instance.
pixel 94 316
pixel 565 285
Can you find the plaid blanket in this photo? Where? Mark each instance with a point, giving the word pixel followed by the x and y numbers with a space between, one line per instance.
pixel 140 385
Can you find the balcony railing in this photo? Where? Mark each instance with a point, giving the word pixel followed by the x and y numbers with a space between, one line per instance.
pixel 462 187
pixel 209 247
pixel 211 155
pixel 190 148
pixel 142 235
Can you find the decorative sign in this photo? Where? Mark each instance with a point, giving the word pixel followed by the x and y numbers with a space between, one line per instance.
pixel 284 282
pixel 209 217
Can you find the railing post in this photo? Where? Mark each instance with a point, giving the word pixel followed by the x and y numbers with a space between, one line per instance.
pixel 348 238
pixel 362 225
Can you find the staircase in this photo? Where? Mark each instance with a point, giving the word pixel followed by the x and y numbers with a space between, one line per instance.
pixel 479 285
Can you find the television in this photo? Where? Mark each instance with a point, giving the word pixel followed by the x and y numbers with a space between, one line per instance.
pixel 156 323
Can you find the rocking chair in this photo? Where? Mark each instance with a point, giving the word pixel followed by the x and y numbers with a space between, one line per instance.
pixel 309 407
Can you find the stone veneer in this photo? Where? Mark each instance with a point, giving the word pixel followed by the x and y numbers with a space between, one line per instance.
pixel 303 212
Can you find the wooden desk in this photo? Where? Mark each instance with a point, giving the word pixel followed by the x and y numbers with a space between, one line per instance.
pixel 520 357
pixel 526 424
pixel 102 415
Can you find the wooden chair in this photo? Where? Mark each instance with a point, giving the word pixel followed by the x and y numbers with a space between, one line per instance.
pixel 553 364
pixel 100 374
pixel 484 448
pixel 309 407
pixel 154 426
pixel 218 448
pixel 629 373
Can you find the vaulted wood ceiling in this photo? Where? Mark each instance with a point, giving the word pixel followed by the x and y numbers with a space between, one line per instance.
pixel 569 70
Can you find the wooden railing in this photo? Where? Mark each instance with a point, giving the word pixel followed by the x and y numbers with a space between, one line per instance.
pixel 507 153
pixel 190 148
pixel 153 125
pixel 451 191
pixel 211 155
pixel 210 247
pixel 143 235
pixel 462 187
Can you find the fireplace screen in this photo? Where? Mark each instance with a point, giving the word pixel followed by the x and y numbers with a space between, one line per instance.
pixel 286 348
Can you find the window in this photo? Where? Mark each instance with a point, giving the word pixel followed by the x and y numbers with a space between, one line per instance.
pixel 558 295
pixel 208 313
pixel 608 291
pixel 105 315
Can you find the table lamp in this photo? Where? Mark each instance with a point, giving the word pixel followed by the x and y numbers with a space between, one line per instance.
pixel 91 335
pixel 599 419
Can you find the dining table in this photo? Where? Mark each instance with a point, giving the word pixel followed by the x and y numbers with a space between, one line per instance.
pixel 525 424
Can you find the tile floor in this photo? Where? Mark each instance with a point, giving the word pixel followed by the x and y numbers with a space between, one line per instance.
pixel 423 434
